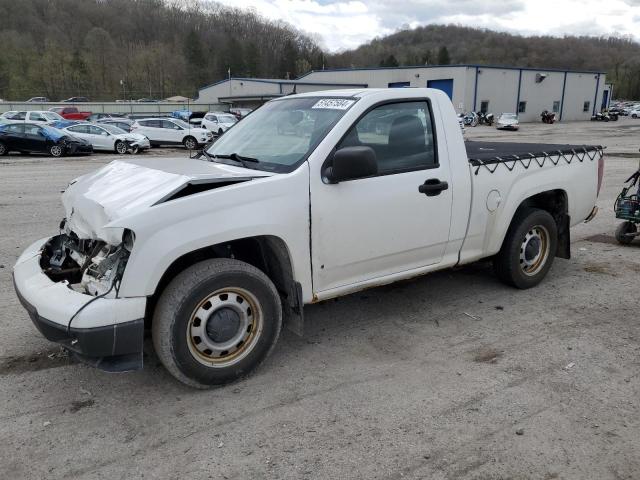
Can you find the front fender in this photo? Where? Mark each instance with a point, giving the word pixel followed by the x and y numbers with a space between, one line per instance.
pixel 275 206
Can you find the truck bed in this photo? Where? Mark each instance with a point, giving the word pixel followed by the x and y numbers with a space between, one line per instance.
pixel 483 153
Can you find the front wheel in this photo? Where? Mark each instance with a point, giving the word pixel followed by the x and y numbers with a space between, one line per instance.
pixel 220 131
pixel 528 250
pixel 3 149
pixel 121 147
pixel 216 322
pixel 190 143
pixel 625 232
pixel 56 151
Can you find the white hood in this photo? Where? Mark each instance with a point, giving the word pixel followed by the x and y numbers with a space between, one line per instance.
pixel 123 188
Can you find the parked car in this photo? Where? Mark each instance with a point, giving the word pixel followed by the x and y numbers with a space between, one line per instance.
pixel 96 117
pixel 195 118
pixel 240 113
pixel 147 100
pixel 219 122
pixel 71 113
pixel 109 138
pixel 38 100
pixel 33 116
pixel 172 131
pixel 508 121
pixel 76 100
pixel 122 123
pixel 213 253
pixel 635 113
pixel 33 138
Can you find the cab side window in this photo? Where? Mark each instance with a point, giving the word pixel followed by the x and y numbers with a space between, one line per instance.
pixel 401 134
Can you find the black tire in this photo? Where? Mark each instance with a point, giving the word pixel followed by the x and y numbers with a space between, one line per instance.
pixel 120 147
pixel 176 318
pixel 623 229
pixel 634 116
pixel 531 231
pixel 56 151
pixel 3 149
pixel 190 143
pixel 220 131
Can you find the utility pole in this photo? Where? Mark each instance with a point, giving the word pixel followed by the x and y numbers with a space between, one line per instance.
pixel 124 90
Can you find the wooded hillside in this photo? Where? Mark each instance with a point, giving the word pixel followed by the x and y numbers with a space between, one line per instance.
pixel 63 48
pixel 160 48
pixel 439 44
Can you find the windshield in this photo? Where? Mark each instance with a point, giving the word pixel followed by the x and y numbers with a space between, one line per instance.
pixel 281 133
pixel 52 116
pixel 227 119
pixel 112 129
pixel 509 116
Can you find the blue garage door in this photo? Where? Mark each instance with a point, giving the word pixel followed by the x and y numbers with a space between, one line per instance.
pixel 445 85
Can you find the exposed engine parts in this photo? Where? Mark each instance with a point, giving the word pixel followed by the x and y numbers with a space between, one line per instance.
pixel 89 266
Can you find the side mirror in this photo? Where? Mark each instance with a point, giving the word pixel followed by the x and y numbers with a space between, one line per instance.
pixel 350 163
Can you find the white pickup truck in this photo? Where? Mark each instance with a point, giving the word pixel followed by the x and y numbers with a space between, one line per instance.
pixel 213 254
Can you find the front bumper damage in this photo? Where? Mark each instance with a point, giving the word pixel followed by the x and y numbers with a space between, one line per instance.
pixel 105 332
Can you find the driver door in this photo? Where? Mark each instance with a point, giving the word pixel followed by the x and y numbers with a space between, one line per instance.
pixel 368 228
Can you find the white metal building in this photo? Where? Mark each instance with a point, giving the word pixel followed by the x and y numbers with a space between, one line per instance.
pixel 573 95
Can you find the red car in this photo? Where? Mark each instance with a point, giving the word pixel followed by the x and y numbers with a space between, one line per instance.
pixel 70 113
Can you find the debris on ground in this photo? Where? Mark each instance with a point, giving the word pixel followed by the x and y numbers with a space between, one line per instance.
pixel 520 431
pixel 472 316
pixel 77 405
pixel 570 366
pixel 487 355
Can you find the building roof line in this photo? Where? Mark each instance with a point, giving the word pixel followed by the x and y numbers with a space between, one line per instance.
pixel 462 65
pixel 276 81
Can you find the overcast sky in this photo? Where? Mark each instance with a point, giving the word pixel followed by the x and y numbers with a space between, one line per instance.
pixel 344 24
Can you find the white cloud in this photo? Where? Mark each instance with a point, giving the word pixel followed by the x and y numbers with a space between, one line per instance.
pixel 345 24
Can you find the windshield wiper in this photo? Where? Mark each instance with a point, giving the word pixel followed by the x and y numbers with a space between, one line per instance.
pixel 244 161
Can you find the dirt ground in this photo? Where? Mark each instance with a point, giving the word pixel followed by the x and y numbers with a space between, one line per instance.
pixel 449 376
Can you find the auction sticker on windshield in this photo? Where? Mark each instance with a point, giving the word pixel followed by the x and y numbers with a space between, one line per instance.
pixel 334 103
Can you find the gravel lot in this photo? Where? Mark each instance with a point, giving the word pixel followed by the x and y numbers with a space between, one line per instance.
pixel 450 376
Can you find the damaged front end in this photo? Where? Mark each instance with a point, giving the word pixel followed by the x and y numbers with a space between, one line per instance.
pixel 88 266
pixel 70 288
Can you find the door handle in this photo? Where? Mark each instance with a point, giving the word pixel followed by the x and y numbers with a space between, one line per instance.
pixel 433 187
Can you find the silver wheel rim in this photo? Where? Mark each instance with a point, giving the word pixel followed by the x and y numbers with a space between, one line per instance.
pixel 534 250
pixel 56 151
pixel 224 327
pixel 121 147
pixel 2 149
pixel 190 144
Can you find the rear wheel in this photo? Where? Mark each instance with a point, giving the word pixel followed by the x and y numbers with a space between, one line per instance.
pixel 625 231
pixel 3 149
pixel 528 250
pixel 121 147
pixel 216 322
pixel 220 132
pixel 56 150
pixel 190 143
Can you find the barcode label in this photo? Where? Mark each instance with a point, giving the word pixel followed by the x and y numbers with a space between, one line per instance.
pixel 334 103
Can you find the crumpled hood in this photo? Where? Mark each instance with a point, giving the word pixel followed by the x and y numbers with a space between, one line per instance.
pixel 123 188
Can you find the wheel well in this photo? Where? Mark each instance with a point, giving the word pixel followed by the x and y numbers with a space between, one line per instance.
pixel 267 253
pixel 556 203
